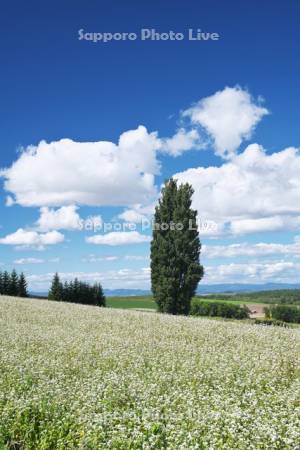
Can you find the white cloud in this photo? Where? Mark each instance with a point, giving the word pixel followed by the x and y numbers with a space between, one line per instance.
pixel 138 213
pixel 136 257
pixel 182 141
pixel 118 238
pixel 95 259
pixel 228 116
pixel 275 223
pixel 64 218
pixel 246 249
pixel 253 192
pixel 23 261
pixel 90 173
pixel 32 239
pixel 132 216
pixel 277 272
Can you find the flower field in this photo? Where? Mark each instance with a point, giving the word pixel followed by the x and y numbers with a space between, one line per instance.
pixel 82 377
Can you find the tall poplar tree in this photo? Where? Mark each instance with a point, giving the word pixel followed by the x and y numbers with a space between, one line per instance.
pixel 175 250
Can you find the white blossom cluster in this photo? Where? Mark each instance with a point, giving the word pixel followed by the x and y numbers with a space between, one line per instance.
pixel 81 377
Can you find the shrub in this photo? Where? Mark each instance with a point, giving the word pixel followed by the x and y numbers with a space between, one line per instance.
pixel 267 312
pixel 286 313
pixel 218 309
pixel 277 323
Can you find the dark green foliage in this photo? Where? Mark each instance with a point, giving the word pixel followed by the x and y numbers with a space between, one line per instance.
pixel 5 283
pixel 267 312
pixel 22 286
pixel 56 289
pixel 12 284
pixel 175 252
pixel 275 323
pixel 218 309
pixel 76 292
pixel 286 313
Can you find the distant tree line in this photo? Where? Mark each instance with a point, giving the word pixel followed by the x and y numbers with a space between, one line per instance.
pixel 13 284
pixel 279 296
pixel 286 313
pixel 218 309
pixel 76 292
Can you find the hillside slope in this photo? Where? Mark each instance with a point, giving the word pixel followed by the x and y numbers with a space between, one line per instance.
pixel 75 376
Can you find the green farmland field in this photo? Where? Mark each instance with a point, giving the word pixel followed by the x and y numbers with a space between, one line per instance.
pixel 142 302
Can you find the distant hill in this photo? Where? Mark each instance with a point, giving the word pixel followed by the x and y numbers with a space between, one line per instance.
pixel 202 289
pixel 236 287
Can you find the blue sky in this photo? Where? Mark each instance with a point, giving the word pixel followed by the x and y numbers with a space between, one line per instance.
pixel 227 109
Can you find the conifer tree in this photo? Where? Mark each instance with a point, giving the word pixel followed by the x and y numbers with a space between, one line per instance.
pixel 13 283
pixel 175 250
pixel 98 295
pixel 22 286
pixel 76 292
pixel 6 283
pixel 1 283
pixel 56 290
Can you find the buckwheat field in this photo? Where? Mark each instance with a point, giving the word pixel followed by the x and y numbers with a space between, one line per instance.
pixel 94 378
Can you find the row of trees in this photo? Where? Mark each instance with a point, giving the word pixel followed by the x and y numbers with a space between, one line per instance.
pixel 285 313
pixel 76 292
pixel 219 309
pixel 13 284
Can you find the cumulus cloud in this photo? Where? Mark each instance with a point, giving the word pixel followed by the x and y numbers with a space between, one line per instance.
pixel 138 213
pixel 132 216
pixel 248 249
pixel 32 239
pixel 100 173
pixel 118 238
pixel 182 141
pixel 64 218
pixel 228 116
pixel 253 192
pixel 278 271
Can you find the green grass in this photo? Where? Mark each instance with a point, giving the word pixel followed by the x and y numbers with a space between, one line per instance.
pixel 147 302
pixel 141 302
pixel 232 300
